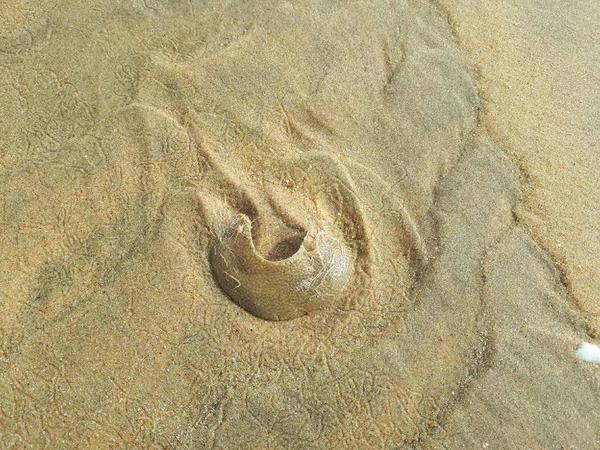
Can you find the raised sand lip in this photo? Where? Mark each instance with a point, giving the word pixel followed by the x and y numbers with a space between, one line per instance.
pixel 437 149
pixel 310 279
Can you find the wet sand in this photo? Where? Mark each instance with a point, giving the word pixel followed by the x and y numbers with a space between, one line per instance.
pixel 316 225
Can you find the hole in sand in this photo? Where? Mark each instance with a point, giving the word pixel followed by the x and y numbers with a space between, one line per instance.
pixel 286 248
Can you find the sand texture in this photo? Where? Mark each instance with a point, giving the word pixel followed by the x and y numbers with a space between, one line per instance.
pixel 304 225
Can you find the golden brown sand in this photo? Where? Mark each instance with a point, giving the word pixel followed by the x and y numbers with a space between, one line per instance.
pixel 299 224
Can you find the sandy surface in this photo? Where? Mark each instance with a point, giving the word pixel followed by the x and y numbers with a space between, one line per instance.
pixel 299 224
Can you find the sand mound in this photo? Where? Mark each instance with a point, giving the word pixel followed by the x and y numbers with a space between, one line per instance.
pixel 297 278
pixel 175 173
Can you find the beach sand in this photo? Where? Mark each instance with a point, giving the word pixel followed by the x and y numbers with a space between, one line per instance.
pixel 299 224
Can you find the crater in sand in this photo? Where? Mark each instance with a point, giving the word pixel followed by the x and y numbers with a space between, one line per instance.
pixel 312 276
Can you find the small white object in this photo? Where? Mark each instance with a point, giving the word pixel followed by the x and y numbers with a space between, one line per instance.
pixel 589 353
